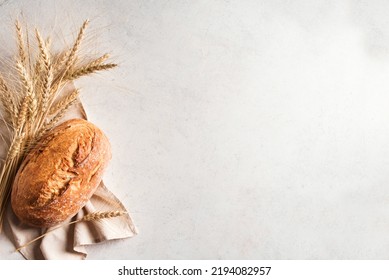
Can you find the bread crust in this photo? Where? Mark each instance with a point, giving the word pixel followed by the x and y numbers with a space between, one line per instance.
pixel 60 175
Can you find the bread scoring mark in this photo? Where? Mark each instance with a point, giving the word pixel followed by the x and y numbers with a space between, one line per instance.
pixel 66 173
pixel 84 148
pixel 94 172
pixel 58 183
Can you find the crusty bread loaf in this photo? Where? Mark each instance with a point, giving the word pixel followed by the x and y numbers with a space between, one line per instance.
pixel 60 175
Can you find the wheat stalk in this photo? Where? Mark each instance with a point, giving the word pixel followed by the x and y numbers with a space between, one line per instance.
pixel 92 217
pixel 32 104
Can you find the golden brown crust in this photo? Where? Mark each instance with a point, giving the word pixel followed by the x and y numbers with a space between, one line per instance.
pixel 58 177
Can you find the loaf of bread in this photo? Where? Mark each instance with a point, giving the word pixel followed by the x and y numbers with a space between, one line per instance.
pixel 59 176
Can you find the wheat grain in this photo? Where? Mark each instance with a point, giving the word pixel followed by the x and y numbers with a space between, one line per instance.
pixel 8 101
pixel 22 116
pixel 76 45
pixel 102 215
pixel 89 69
pixel 29 90
pixel 15 147
pixel 100 60
pixel 47 77
pixel 20 40
pixel 60 61
pixel 63 103
pixel 44 52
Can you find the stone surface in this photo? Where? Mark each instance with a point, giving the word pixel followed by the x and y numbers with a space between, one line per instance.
pixel 240 129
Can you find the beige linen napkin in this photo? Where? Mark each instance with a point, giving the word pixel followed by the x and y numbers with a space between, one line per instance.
pixel 70 241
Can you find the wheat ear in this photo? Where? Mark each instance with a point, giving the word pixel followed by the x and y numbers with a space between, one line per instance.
pixel 95 216
pixel 45 61
pixel 97 62
pixel 15 146
pixel 70 57
pixel 20 40
pixel 64 103
pixel 76 46
pixel 89 69
pixel 22 115
pixel 29 89
pixel 8 101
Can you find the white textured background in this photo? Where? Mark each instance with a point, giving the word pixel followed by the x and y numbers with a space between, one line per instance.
pixel 240 129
